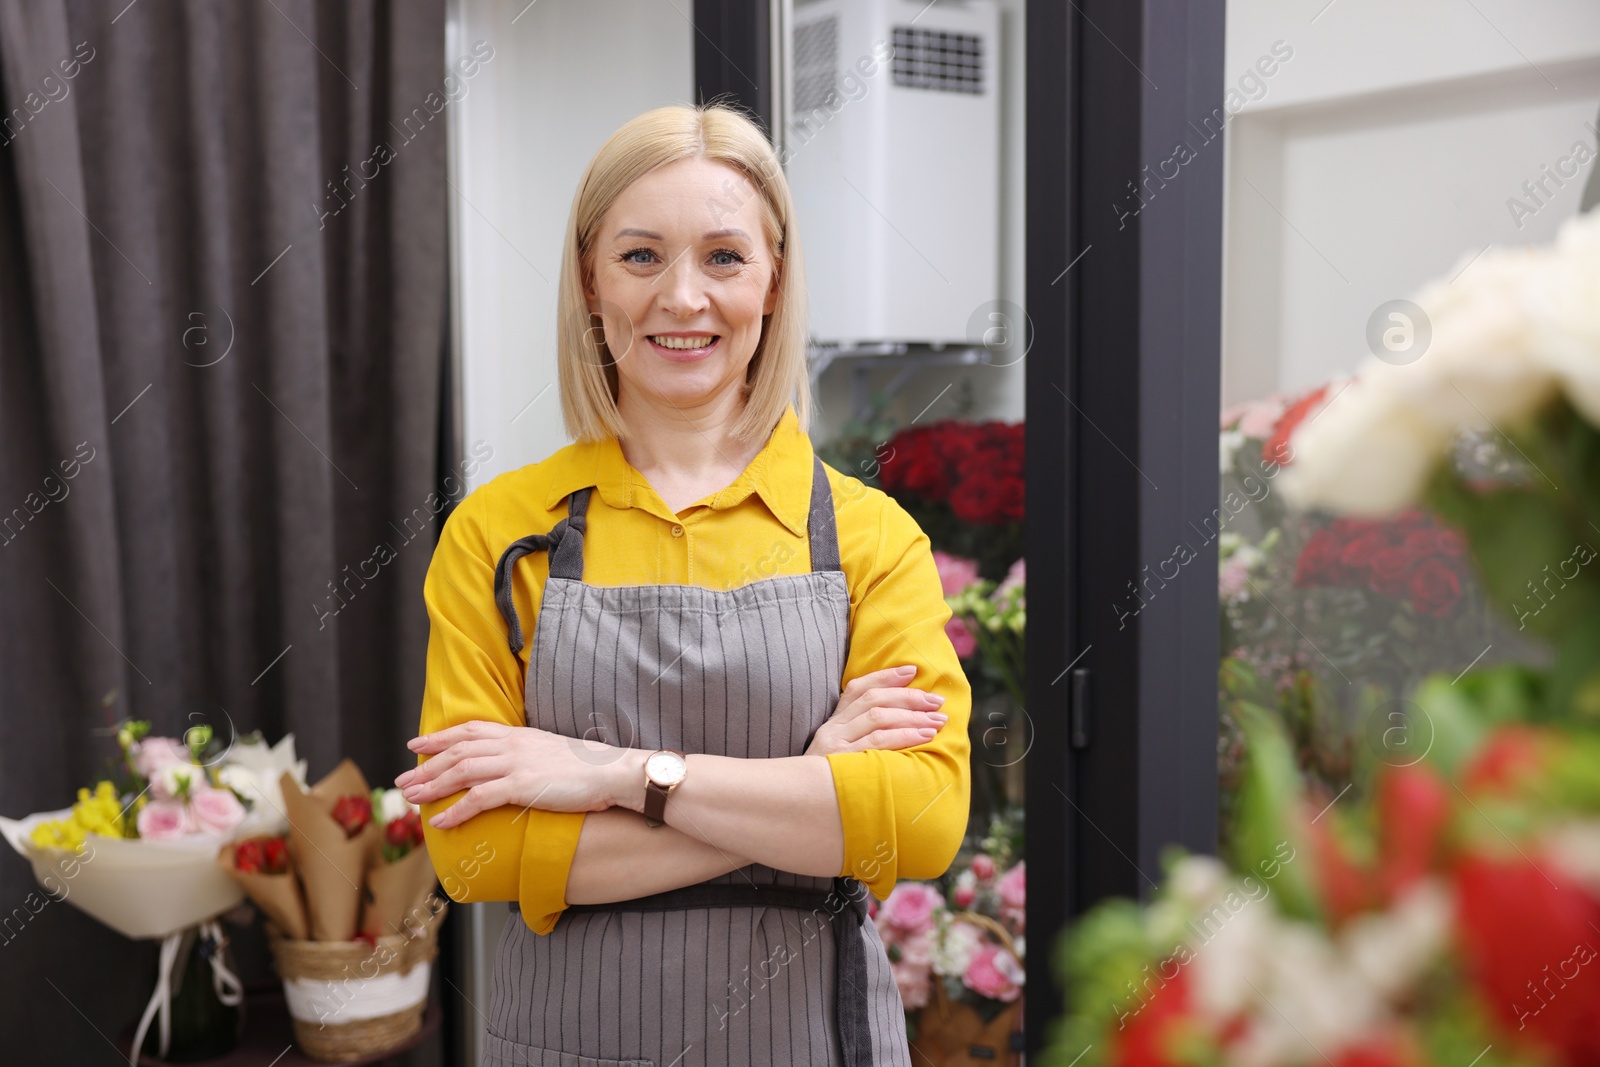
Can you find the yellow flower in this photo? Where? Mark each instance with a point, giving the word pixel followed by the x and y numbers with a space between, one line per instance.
pixel 99 812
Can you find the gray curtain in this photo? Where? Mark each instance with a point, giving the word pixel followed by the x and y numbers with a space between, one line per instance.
pixel 222 328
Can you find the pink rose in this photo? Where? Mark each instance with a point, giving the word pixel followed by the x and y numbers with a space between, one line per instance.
pixel 1013 887
pixel 961 637
pixel 982 867
pixel 153 753
pixel 955 572
pixel 216 811
pixel 917 948
pixel 963 896
pixel 910 906
pixel 995 973
pixel 916 983
pixel 163 820
pixel 1016 576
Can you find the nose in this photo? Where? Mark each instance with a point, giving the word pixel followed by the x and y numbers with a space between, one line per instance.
pixel 682 293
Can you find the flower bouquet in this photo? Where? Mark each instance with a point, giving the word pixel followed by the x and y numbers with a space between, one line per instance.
pixel 1452 919
pixel 957 957
pixel 137 852
pixel 987 625
pixel 963 483
pixel 351 918
pixel 1449 913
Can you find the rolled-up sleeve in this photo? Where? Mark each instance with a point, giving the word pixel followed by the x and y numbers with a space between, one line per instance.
pixel 904 812
pixel 505 853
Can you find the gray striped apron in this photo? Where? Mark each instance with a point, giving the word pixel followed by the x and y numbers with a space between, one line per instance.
pixel 732 971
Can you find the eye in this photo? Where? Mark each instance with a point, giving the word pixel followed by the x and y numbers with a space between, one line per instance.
pixel 627 257
pixel 728 252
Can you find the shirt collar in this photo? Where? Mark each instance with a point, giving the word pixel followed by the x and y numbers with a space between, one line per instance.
pixel 780 474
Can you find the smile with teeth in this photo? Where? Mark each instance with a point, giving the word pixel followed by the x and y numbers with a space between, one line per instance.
pixel 700 341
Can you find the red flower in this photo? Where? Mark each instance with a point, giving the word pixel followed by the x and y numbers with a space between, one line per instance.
pixel 1413 806
pixel 1422 542
pixel 404 832
pixel 977 500
pixel 1375 1052
pixel 1434 588
pixel 1452 543
pixel 1358 553
pixel 352 812
pixel 1529 946
pixel 1276 449
pixel 926 475
pixel 1390 571
pixel 261 855
pixel 1319 559
pixel 1345 887
pixel 1147 1038
pixel 1512 754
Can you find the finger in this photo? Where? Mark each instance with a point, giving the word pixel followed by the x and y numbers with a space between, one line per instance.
pixel 894 739
pixel 436 765
pixel 440 740
pixel 467 774
pixel 880 703
pixel 889 676
pixel 479 798
pixel 882 718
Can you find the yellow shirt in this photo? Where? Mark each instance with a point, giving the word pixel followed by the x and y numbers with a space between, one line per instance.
pixel 903 813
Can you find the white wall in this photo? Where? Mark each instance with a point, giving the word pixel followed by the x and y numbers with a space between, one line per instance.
pixel 565 75
pixel 1382 152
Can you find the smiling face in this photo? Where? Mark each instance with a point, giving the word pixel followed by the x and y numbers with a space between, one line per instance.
pixel 682 275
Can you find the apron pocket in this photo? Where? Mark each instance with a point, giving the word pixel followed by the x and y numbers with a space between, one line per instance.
pixel 498 1052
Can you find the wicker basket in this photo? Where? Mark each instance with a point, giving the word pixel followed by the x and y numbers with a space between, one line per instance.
pixel 349 1000
pixel 951 1033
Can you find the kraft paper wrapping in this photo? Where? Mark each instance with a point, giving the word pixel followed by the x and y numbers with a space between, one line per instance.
pixel 399 892
pixel 332 866
pixel 277 895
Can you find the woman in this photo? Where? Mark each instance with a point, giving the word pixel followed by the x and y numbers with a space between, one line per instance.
pixel 685 776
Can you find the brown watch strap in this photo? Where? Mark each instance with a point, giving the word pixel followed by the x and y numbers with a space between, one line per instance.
pixel 655 796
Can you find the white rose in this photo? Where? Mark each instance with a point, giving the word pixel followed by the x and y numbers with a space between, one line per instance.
pixel 1390 950
pixel 171 779
pixel 1368 453
pixel 953 952
pixel 394 806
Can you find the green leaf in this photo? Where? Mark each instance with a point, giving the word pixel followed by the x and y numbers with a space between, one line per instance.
pixel 1269 801
pixel 1520 538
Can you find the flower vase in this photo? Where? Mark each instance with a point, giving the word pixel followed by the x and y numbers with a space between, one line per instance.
pixel 203 1027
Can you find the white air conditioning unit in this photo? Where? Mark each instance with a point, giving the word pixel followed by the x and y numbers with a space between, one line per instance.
pixel 892 151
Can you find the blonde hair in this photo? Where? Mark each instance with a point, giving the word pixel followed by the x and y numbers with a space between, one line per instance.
pixel 777 374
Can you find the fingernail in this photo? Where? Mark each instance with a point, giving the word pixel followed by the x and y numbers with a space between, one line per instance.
pixel 414 744
pixel 935 698
pixel 938 716
pixel 927 731
pixel 908 669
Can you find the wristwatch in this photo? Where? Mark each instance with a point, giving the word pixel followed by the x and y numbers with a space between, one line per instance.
pixel 664 771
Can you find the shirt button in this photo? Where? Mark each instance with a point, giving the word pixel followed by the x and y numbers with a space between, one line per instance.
pixel 677 531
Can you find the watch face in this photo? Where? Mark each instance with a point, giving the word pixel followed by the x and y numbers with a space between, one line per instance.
pixel 666 768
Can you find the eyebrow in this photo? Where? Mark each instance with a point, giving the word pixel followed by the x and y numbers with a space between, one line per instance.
pixel 652 235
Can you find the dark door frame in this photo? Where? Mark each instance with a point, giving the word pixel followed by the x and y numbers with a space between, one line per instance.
pixel 1123 276
pixel 1122 406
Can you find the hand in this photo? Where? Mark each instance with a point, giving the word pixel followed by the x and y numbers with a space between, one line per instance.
pixel 498 765
pixel 876 711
